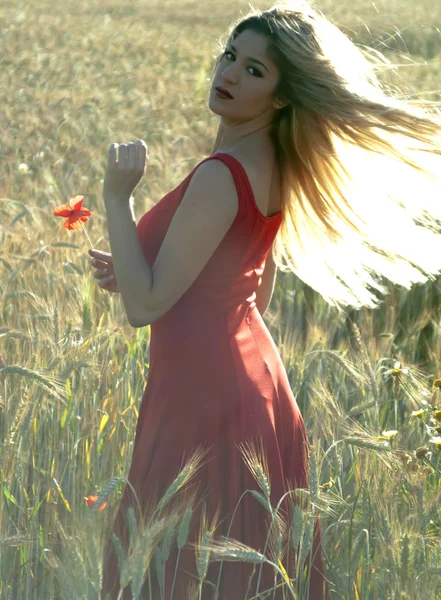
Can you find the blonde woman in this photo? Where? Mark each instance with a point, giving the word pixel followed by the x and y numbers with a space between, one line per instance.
pixel 314 162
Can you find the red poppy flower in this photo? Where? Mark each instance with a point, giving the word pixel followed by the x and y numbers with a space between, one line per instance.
pixel 90 501
pixel 75 213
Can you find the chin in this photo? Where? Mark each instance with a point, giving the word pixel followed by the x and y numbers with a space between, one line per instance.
pixel 213 107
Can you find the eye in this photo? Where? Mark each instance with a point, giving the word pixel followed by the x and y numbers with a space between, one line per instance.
pixel 254 68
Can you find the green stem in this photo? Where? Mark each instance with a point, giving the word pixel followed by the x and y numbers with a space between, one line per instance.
pixel 88 239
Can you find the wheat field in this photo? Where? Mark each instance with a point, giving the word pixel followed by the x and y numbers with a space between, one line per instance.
pixel 75 77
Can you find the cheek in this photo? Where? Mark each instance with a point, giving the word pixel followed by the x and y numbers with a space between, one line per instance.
pixel 256 95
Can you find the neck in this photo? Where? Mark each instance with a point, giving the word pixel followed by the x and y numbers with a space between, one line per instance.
pixel 230 136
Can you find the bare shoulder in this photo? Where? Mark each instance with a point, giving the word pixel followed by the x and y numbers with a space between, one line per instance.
pixel 214 177
pixel 255 160
pixel 264 175
pixel 259 163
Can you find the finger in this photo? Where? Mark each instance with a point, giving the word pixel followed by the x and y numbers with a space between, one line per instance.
pixel 111 160
pixel 142 156
pixel 99 264
pixel 123 156
pixel 101 274
pixel 131 150
pixel 100 254
pixel 105 281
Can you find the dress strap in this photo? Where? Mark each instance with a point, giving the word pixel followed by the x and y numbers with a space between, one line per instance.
pixel 243 185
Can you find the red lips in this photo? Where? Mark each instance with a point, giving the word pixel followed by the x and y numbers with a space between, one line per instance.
pixel 227 93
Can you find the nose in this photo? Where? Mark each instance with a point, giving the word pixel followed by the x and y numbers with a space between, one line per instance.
pixel 229 75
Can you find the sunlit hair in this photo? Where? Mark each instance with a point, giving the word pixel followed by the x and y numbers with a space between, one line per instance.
pixel 361 164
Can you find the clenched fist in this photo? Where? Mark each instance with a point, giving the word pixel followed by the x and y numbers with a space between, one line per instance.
pixel 124 170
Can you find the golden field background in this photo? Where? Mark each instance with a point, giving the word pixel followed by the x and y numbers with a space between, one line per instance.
pixel 75 77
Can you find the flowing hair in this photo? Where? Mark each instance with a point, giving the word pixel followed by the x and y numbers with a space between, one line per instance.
pixel 360 163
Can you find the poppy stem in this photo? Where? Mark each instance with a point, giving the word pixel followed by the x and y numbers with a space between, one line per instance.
pixel 88 239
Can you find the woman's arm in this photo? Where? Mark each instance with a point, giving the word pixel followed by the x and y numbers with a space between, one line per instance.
pixel 132 272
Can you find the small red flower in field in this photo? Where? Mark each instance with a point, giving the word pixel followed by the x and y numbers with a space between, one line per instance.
pixel 90 501
pixel 75 213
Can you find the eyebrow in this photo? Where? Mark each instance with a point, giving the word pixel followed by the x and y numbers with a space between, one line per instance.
pixel 250 58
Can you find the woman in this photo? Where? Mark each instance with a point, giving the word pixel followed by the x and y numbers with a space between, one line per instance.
pixel 315 162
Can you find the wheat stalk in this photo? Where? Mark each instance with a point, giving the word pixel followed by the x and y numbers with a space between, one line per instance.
pixel 237 551
pixel 105 493
pixel 52 386
pixel 365 360
pixel 188 471
pixel 139 561
pixel 255 459
pixel 204 554
pixel 162 553
pixel 133 525
pixel 181 540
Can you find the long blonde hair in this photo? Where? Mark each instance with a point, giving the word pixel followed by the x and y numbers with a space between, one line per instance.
pixel 360 164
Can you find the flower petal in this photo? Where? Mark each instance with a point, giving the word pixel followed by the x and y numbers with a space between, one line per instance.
pixel 73 223
pixel 77 201
pixel 63 211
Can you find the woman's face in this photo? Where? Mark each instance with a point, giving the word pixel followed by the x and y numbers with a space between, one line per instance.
pixel 251 84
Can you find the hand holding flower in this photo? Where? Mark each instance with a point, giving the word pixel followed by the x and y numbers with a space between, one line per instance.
pixel 105 272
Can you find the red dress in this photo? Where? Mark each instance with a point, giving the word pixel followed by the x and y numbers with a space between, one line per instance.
pixel 216 380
